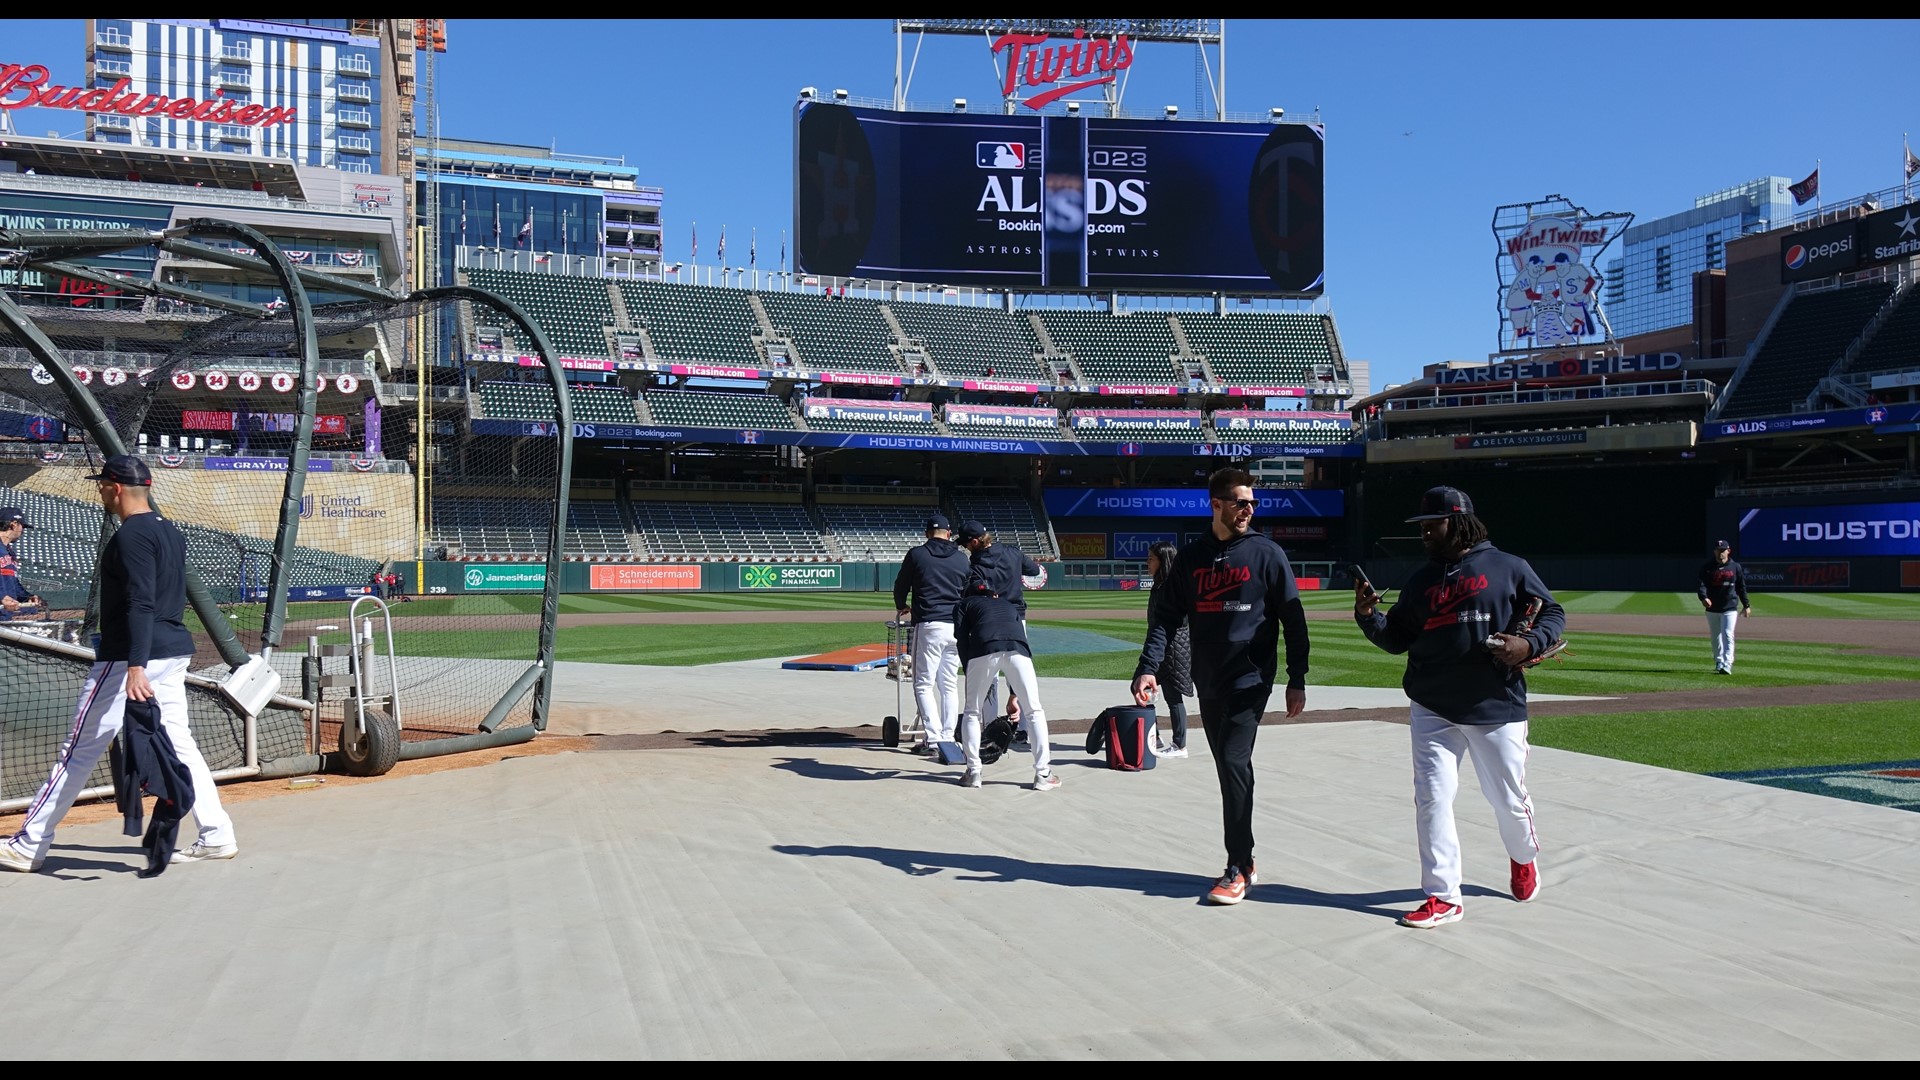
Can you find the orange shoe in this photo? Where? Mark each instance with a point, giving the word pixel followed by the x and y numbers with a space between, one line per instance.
pixel 1230 889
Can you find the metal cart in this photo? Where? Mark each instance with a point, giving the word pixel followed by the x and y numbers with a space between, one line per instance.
pixel 900 673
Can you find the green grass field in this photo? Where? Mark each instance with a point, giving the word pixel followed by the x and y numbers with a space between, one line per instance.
pixel 1706 741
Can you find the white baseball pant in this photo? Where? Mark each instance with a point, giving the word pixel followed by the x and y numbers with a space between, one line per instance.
pixel 96 722
pixel 1720 626
pixel 1499 755
pixel 936 679
pixel 1021 680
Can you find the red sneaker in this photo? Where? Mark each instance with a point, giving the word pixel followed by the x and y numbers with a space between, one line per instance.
pixel 1230 889
pixel 1431 914
pixel 1526 880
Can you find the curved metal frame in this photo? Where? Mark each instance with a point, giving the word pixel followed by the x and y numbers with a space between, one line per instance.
pixel 61 245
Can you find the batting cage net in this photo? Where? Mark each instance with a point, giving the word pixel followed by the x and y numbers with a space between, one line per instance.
pixel 325 499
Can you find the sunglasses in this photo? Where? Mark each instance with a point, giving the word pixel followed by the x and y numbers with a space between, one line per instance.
pixel 1240 504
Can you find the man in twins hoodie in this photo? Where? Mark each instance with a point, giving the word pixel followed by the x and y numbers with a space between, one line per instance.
pixel 1465 679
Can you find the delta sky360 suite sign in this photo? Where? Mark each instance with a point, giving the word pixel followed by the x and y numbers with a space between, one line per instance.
pixel 1041 202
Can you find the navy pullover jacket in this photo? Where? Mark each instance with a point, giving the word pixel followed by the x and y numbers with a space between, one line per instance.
pixel 143 592
pixel 1723 587
pixel 1238 598
pixel 1002 566
pixel 987 624
pixel 935 573
pixel 1441 622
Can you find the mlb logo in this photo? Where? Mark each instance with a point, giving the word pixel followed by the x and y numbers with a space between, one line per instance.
pixel 1000 155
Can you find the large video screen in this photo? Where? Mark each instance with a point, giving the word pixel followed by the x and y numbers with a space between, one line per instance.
pixel 1036 203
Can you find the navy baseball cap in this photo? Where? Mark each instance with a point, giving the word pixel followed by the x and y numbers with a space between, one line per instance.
pixel 1442 502
pixel 11 514
pixel 938 521
pixel 971 530
pixel 1718 545
pixel 125 469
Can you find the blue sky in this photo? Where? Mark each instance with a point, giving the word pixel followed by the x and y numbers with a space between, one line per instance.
pixel 1430 125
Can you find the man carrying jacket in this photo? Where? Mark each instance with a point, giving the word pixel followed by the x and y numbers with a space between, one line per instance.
pixel 1455 621
pixel 1235 590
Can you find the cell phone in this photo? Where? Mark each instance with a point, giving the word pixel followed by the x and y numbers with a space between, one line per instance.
pixel 1361 576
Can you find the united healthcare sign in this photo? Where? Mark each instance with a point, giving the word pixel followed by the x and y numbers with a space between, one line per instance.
pixel 1813 531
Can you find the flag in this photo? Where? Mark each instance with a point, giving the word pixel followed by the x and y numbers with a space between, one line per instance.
pixel 629 234
pixel 753 249
pixel 721 251
pixel 1913 163
pixel 526 231
pixel 496 224
pixel 783 251
pixel 463 223
pixel 695 254
pixel 1805 189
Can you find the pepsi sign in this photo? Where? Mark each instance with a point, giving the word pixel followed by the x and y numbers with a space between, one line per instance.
pixel 1819 253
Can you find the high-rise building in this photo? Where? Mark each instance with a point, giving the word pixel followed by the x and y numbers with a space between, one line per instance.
pixel 1650 286
pixel 305 90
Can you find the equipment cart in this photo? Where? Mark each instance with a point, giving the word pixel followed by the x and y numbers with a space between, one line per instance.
pixel 900 672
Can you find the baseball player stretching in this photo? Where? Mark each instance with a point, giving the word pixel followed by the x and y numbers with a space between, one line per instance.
pixel 1468 692
pixel 144 652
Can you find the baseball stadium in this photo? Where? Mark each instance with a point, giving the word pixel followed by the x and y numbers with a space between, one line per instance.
pixel 545 588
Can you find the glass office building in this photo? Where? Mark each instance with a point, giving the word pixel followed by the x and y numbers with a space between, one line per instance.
pixel 1650 286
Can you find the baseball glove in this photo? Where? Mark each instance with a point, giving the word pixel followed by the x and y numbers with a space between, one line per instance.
pixel 1523 621
pixel 995 738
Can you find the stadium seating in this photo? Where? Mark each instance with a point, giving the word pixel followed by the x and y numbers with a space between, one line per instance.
pixel 695 324
pixel 1264 348
pixel 729 531
pixel 1895 346
pixel 714 409
pixel 595 530
pixel 883 532
pixel 1136 349
pixel 573 311
pixel 1006 514
pixel 1806 341
pixel 844 333
pixel 969 342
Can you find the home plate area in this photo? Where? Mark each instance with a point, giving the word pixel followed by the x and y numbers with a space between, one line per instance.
pixel 1889 783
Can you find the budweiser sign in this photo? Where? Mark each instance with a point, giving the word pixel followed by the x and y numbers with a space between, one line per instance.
pixel 26 86
pixel 1087 63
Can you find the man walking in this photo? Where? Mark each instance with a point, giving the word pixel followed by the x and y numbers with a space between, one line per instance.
pixel 1235 590
pixel 1454 621
pixel 1723 592
pixel 143 655
pixel 933 574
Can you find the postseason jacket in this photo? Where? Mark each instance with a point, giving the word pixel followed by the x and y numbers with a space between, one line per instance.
pixel 1723 587
pixel 934 573
pixel 1238 598
pixel 1002 566
pixel 10 575
pixel 1442 620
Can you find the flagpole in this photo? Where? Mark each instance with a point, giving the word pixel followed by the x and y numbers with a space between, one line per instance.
pixel 1906 174
pixel 1819 202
